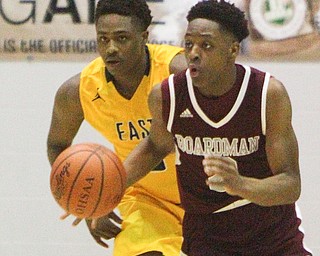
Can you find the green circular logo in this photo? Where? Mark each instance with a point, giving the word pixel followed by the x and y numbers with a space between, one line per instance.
pixel 277 19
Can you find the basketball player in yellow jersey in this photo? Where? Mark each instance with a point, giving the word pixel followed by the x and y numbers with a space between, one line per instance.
pixel 111 94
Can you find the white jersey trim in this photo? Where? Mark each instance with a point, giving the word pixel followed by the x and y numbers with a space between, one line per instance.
pixel 264 103
pixel 172 103
pixel 233 110
pixel 233 205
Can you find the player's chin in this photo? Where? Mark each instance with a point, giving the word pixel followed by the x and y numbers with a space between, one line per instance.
pixel 113 65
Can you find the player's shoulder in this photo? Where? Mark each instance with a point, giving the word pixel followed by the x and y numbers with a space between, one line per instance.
pixel 276 90
pixel 176 78
pixel 163 48
pixel 248 69
pixel 68 92
pixel 256 77
pixel 93 67
pixel 178 81
pixel 163 53
pixel 180 77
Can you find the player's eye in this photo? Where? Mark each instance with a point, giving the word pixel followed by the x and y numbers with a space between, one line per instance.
pixel 102 39
pixel 206 45
pixel 188 45
pixel 122 38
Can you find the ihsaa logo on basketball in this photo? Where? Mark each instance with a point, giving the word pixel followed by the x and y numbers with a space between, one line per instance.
pixel 87 180
pixel 278 19
pixel 84 196
pixel 61 183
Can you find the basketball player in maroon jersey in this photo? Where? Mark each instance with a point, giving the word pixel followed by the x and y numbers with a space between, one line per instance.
pixel 237 153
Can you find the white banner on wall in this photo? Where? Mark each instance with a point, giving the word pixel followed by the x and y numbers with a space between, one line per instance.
pixel 47 29
pixel 64 29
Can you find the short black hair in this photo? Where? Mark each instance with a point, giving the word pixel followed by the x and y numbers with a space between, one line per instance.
pixel 226 14
pixel 133 8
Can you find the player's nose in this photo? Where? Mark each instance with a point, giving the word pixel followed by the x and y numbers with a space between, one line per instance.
pixel 194 53
pixel 111 48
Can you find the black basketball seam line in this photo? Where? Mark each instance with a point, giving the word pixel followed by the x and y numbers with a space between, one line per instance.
pixel 102 181
pixel 62 161
pixel 93 152
pixel 77 176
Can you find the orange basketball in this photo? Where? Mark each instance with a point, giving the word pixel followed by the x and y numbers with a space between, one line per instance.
pixel 87 180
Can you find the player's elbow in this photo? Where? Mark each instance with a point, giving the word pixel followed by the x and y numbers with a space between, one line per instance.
pixel 294 191
pixel 54 149
pixel 161 149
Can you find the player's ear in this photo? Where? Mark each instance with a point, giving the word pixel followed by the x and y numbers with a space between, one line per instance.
pixel 234 49
pixel 145 35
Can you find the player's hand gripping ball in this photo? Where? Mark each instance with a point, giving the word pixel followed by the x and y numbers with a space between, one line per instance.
pixel 87 180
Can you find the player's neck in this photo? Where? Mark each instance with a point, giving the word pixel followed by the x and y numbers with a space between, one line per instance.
pixel 129 80
pixel 219 85
pixel 128 83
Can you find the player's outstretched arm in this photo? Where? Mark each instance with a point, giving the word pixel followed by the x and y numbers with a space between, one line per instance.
pixel 284 186
pixel 67 116
pixel 153 148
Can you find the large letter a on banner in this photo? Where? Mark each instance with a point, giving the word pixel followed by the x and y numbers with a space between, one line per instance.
pixel 54 9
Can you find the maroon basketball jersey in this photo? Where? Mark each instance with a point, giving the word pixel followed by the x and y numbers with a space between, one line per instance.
pixel 232 125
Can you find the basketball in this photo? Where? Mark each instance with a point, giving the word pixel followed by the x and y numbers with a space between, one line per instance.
pixel 87 180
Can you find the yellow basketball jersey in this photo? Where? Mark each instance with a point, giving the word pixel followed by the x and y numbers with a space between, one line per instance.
pixel 124 122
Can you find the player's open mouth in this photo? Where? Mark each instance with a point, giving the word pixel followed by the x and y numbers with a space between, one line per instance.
pixel 194 71
pixel 112 62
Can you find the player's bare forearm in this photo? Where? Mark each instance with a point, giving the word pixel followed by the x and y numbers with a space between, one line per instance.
pixel 153 148
pixel 53 151
pixel 283 187
pixel 67 117
pixel 276 190
pixel 142 160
